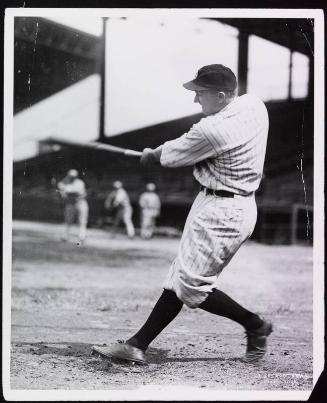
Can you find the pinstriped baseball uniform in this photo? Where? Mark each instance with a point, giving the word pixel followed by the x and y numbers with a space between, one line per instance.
pixel 227 150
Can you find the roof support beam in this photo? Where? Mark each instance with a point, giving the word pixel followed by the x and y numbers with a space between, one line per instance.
pixel 311 79
pixel 290 75
pixel 102 62
pixel 242 69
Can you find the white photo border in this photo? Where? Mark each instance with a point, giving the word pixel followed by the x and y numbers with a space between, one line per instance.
pixel 172 392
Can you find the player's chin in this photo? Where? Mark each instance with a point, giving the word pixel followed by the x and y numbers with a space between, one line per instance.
pixel 206 112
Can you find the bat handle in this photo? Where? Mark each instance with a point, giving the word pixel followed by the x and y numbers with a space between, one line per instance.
pixel 132 153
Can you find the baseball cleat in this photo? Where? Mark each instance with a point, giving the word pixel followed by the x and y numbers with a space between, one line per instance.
pixel 122 351
pixel 257 342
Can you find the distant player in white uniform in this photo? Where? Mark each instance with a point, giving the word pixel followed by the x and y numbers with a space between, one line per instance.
pixel 72 190
pixel 227 149
pixel 150 205
pixel 119 203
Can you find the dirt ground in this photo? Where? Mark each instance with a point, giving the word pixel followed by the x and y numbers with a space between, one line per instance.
pixel 66 298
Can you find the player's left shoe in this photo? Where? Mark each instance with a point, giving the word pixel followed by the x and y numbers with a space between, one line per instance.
pixel 122 351
pixel 257 342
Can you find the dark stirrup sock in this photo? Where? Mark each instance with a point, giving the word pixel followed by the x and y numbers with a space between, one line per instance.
pixel 221 304
pixel 166 309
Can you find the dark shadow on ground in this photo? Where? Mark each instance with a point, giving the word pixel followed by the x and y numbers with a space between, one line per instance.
pixel 60 349
pixel 154 355
pixel 160 356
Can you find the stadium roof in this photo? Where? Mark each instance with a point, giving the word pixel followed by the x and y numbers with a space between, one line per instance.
pixel 294 33
pixel 44 32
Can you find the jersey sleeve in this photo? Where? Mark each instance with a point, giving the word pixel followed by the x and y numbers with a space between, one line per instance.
pixel 190 148
pixel 61 186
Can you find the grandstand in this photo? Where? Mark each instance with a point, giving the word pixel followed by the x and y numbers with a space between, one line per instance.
pixel 285 198
pixel 51 56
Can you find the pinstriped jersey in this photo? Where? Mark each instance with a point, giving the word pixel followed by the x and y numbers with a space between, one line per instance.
pixel 227 149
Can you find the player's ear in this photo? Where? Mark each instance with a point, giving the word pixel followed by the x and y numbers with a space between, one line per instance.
pixel 221 96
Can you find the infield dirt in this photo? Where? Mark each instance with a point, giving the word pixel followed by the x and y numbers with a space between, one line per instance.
pixel 66 298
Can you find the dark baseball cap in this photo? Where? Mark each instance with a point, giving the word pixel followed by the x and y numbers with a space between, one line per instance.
pixel 213 76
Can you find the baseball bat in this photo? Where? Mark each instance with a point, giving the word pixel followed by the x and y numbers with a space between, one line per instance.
pixel 98 146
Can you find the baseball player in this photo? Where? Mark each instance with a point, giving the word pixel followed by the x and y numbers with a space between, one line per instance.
pixel 150 205
pixel 72 190
pixel 227 149
pixel 119 202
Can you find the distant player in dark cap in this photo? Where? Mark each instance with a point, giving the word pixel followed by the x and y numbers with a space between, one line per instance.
pixel 227 150
pixel 72 190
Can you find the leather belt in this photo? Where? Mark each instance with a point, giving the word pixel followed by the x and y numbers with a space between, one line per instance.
pixel 218 193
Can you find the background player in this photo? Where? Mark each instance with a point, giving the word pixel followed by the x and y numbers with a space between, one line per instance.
pixel 227 148
pixel 150 205
pixel 72 190
pixel 119 203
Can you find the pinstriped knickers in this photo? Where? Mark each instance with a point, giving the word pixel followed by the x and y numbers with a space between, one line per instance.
pixel 214 230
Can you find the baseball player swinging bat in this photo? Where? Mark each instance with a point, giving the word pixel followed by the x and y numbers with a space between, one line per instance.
pixel 227 149
pixel 99 146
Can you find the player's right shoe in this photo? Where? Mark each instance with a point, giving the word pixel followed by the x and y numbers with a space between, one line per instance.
pixel 257 342
pixel 122 351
